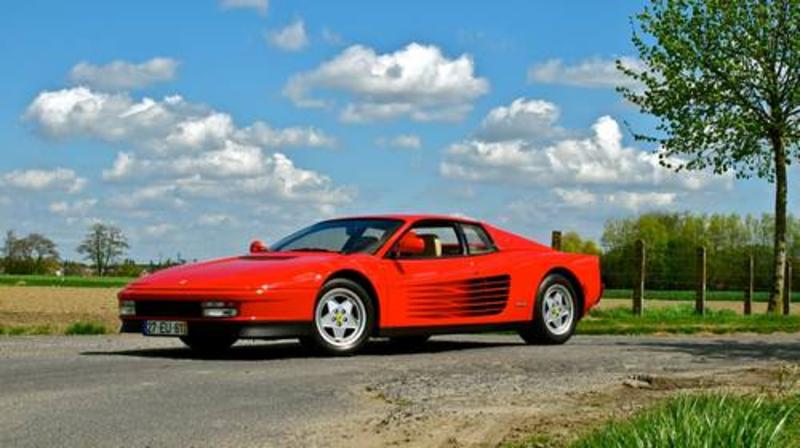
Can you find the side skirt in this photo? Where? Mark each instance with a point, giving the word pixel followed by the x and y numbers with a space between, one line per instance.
pixel 451 329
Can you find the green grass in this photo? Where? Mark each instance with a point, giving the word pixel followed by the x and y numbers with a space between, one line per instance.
pixel 82 328
pixel 710 420
pixel 26 330
pixel 682 319
pixel 51 280
pixel 75 328
pixel 689 295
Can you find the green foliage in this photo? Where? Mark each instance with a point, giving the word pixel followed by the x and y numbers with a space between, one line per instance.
pixel 26 331
pixel 76 282
pixel 709 420
pixel 33 254
pixel 75 269
pixel 128 268
pixel 722 77
pixel 690 295
pixel 682 319
pixel 85 328
pixel 672 239
pixel 573 243
pixel 76 328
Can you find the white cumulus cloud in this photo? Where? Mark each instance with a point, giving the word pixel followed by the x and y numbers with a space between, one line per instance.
pixel 293 37
pixel 522 119
pixel 402 141
pixel 260 6
pixel 171 124
pixel 123 75
pixel 577 197
pixel 178 152
pixel 417 81
pixel 522 145
pixel 594 72
pixel 635 201
pixel 73 208
pixel 59 179
pixel 599 159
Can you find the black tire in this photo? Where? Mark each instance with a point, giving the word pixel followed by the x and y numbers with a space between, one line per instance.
pixel 409 342
pixel 209 343
pixel 323 344
pixel 539 332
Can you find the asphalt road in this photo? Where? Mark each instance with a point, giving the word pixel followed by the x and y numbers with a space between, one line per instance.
pixel 134 391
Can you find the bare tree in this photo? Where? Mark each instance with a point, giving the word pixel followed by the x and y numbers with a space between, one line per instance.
pixel 41 248
pixel 103 245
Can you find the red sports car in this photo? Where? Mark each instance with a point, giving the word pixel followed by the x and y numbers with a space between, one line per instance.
pixel 336 283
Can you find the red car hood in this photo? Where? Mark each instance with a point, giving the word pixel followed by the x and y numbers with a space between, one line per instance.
pixel 245 272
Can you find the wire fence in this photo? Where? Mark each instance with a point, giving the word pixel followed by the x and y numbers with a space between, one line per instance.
pixel 638 272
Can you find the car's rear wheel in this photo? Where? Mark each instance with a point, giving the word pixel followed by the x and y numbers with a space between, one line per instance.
pixel 209 342
pixel 343 318
pixel 555 312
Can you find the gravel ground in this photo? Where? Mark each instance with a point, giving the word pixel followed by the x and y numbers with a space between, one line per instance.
pixel 476 390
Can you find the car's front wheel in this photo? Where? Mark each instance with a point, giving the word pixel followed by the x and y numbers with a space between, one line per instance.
pixel 555 312
pixel 343 318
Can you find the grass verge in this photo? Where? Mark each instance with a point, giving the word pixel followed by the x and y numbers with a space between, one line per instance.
pixel 681 319
pixel 81 328
pixel 73 329
pixel 717 419
pixel 689 295
pixel 26 330
pixel 709 420
pixel 76 282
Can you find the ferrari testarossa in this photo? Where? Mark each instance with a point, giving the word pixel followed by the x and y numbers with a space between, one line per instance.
pixel 339 282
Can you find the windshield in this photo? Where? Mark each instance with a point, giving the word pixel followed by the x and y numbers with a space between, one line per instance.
pixel 346 236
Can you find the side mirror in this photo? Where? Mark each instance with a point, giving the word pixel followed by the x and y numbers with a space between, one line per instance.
pixel 258 247
pixel 410 245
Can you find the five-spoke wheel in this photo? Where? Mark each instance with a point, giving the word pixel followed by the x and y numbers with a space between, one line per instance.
pixel 555 312
pixel 343 317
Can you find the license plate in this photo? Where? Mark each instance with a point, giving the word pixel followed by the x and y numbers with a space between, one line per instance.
pixel 165 328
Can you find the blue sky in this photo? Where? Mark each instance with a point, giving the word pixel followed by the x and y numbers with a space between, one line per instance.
pixel 196 126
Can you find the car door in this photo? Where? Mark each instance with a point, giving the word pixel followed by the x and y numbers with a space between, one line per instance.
pixel 438 288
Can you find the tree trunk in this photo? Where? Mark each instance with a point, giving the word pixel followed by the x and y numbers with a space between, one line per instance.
pixel 779 257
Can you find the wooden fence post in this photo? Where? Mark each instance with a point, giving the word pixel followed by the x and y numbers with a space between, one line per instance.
pixel 787 288
pixel 700 273
pixel 639 277
pixel 749 268
pixel 555 240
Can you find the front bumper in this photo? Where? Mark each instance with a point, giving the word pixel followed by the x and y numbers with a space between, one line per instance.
pixel 243 330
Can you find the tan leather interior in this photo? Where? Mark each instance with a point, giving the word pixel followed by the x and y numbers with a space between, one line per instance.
pixel 433 246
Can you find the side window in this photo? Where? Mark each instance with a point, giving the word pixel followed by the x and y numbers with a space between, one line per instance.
pixel 478 241
pixel 440 240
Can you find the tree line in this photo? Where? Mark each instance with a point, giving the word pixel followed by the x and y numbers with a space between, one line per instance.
pixel 103 248
pixel 671 241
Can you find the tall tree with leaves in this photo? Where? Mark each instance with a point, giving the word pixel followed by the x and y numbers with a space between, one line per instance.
pixel 723 79
pixel 102 246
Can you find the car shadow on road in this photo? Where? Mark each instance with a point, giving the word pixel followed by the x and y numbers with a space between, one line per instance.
pixel 724 349
pixel 290 349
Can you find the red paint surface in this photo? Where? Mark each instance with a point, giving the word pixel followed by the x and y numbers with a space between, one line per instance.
pixel 492 288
